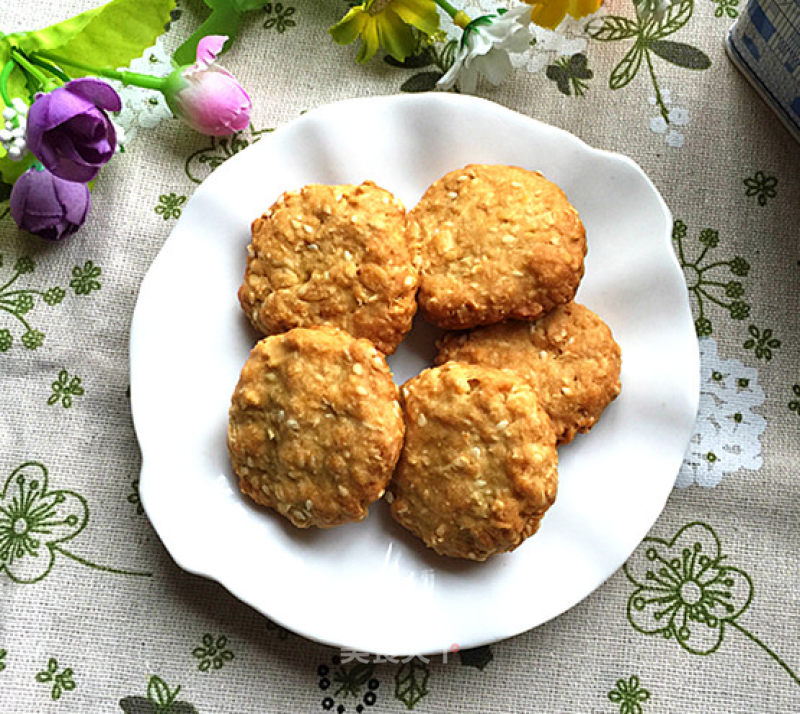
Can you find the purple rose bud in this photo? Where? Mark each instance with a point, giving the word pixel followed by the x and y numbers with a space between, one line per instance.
pixel 206 97
pixel 47 205
pixel 69 131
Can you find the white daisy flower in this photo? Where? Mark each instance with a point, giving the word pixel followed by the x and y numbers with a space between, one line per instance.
pixel 485 47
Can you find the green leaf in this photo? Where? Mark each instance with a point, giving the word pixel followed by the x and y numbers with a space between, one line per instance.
pixel 410 682
pixel 422 82
pixel 10 170
pixel 224 19
pixel 109 36
pixel 247 5
pixel 626 70
pixel 477 657
pixel 681 54
pixel 158 691
pixel 612 28
pixel 677 16
pixel 422 59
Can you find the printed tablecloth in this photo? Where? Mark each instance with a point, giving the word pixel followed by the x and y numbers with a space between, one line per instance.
pixel 705 617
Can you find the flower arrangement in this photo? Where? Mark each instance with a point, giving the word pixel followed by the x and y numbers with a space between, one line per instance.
pixel 486 41
pixel 57 132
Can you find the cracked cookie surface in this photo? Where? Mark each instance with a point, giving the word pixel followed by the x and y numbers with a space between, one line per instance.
pixel 479 466
pixel 569 357
pixel 495 243
pixel 332 255
pixel 315 427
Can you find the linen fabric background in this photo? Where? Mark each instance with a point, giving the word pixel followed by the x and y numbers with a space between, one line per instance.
pixel 111 624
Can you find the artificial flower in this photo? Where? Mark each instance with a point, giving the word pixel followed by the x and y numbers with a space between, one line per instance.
pixel 12 135
pixel 387 24
pixel 69 131
pixel 485 46
pixel 207 97
pixel 550 13
pixel 48 206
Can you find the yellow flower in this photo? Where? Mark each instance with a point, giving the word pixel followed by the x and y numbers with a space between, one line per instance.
pixel 387 24
pixel 550 13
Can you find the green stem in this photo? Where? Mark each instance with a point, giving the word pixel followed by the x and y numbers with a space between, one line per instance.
pixel 26 65
pixel 10 282
pixel 659 99
pixel 447 7
pixel 50 68
pixel 710 297
pixel 680 252
pixel 459 17
pixel 713 265
pixel 139 80
pixel 766 649
pixel 19 317
pixel 95 566
pixel 4 75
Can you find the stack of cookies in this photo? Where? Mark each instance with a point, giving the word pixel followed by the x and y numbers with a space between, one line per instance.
pixel 466 452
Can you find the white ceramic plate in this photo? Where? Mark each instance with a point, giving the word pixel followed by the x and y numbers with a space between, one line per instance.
pixel 372 586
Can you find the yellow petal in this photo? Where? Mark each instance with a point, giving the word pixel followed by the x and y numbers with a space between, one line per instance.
pixel 549 13
pixel 394 35
pixel 350 26
pixel 582 8
pixel 369 41
pixel 421 14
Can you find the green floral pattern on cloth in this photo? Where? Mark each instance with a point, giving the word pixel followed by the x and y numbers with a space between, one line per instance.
pixel 212 652
pixel 35 522
pixel 571 74
pixel 794 404
pixel 630 695
pixel 64 389
pixel 60 681
pixel 649 39
pixel 685 591
pixel 202 162
pixel 160 699
pixel 18 301
pixel 726 7
pixel 762 342
pixel 134 499
pixel 477 657
pixel 169 205
pixel 703 279
pixel 411 682
pixel 3 654
pixel 761 186
pixel 279 16
pixel 84 279
pixel 341 681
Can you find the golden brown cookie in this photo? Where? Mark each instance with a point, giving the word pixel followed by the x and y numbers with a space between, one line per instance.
pixel 479 465
pixel 568 356
pixel 494 243
pixel 315 427
pixel 332 255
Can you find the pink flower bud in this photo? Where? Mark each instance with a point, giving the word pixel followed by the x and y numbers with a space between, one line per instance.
pixel 206 97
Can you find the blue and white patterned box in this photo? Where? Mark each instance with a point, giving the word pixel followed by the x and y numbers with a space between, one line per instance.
pixel 765 45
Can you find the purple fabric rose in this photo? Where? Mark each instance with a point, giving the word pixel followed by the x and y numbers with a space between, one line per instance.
pixel 47 205
pixel 69 130
pixel 207 97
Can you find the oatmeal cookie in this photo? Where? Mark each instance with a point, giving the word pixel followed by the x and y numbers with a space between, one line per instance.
pixel 568 356
pixel 479 465
pixel 495 243
pixel 332 255
pixel 315 427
